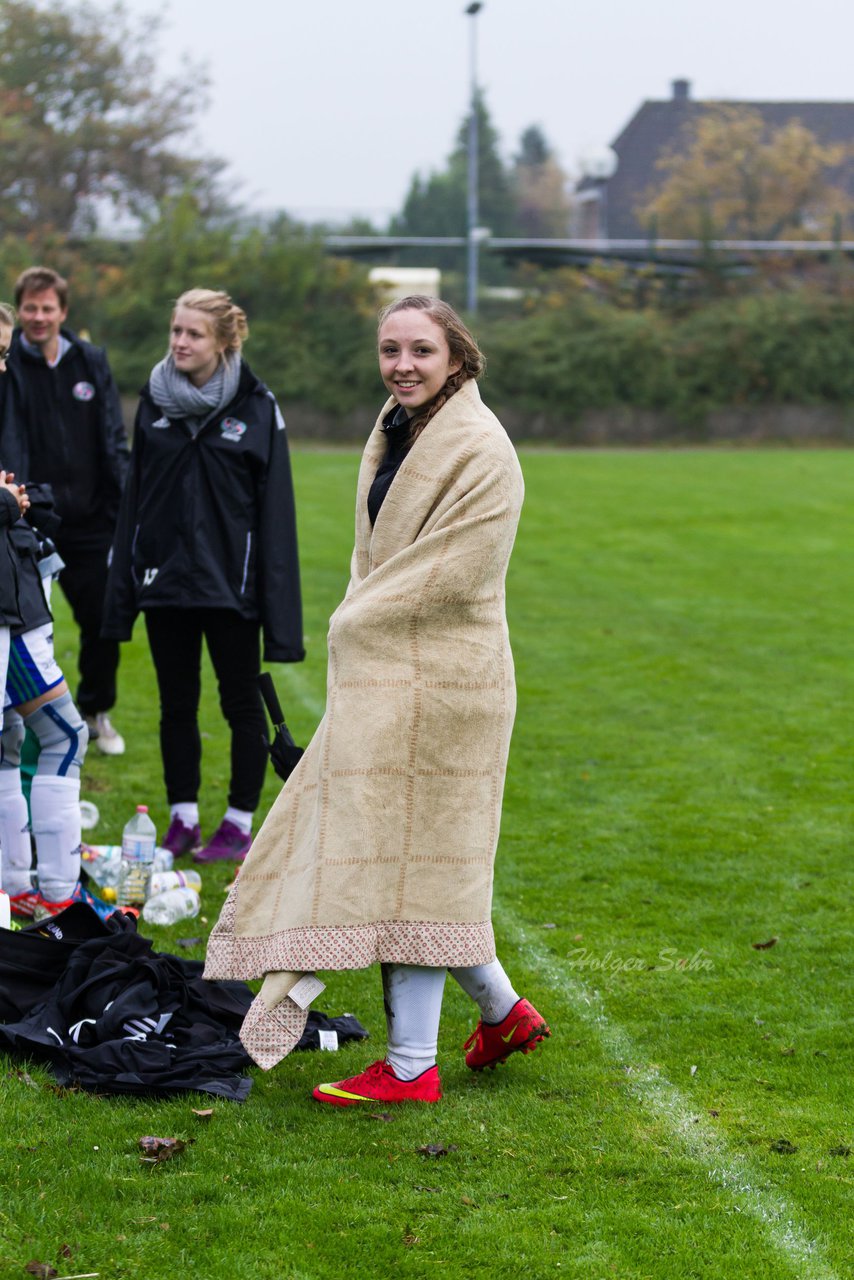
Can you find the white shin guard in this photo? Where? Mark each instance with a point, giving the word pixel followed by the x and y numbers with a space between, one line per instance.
pixel 55 809
pixel 16 849
pixel 413 1004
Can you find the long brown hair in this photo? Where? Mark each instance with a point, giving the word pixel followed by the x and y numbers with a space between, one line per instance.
pixel 460 341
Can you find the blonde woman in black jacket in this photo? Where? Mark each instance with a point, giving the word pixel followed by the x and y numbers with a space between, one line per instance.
pixel 206 548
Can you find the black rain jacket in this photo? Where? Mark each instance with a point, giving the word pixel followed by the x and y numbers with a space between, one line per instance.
pixel 208 521
pixel 112 462
pixel 10 612
pixel 28 539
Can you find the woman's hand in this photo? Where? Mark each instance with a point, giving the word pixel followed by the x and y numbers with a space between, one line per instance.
pixel 18 491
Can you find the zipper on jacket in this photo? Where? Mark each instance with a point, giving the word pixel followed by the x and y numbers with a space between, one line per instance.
pixel 246 562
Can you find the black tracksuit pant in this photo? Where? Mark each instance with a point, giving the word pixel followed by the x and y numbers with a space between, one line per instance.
pixel 234 645
pixel 83 581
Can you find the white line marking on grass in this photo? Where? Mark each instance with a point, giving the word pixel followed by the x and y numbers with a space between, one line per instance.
pixel 299 687
pixel 667 1102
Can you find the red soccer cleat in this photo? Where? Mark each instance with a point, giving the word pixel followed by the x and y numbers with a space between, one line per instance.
pixel 378 1083
pixel 22 905
pixel 522 1029
pixel 44 909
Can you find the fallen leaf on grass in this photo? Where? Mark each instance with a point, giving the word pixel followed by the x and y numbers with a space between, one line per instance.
pixel 24 1077
pixel 41 1270
pixel 468 1200
pixel 380 1115
pixel 764 946
pixel 65 1251
pixel 436 1149
pixel 434 1191
pixel 409 1237
pixel 188 942
pixel 156 1150
pixel 783 1147
pixel 839 1151
pixel 787 1053
pixel 713 1112
pixel 203 1113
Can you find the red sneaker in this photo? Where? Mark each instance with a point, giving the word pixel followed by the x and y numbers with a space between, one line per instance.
pixel 43 908
pixel 22 905
pixel 522 1029
pixel 378 1083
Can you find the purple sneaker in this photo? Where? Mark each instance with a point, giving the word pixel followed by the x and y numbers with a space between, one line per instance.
pixel 181 839
pixel 228 841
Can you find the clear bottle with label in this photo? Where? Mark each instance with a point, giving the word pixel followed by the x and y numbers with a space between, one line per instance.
pixel 102 863
pixel 162 881
pixel 139 840
pixel 171 906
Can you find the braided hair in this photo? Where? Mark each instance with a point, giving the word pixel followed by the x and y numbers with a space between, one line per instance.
pixel 462 346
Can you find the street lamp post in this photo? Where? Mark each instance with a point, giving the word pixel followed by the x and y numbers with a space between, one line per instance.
pixel 472 10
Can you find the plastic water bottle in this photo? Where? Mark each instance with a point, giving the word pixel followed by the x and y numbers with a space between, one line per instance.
pixel 138 843
pixel 171 906
pixel 162 881
pixel 164 860
pixel 103 863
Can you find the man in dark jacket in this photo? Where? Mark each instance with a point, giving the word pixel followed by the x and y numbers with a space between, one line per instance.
pixel 61 424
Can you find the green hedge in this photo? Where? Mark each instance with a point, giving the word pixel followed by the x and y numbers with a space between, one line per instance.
pixel 313 321
pixel 776 348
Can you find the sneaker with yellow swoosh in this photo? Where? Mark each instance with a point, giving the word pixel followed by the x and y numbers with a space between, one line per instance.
pixel 378 1083
pixel 520 1032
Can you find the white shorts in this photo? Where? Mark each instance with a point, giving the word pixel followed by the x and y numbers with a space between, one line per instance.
pixel 32 669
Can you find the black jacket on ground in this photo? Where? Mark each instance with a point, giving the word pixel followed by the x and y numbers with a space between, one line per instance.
pixel 112 1015
pixel 63 426
pixel 208 521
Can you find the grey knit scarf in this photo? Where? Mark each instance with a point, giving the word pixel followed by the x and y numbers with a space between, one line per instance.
pixel 174 393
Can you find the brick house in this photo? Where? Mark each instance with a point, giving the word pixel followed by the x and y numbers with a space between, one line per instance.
pixel 604 207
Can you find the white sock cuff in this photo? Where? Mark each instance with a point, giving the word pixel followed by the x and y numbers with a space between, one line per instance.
pixel 240 818
pixel 187 811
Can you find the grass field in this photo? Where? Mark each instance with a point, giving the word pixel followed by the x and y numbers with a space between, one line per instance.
pixel 679 789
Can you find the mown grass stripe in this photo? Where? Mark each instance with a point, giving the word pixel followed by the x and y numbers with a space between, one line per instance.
pixel 670 1106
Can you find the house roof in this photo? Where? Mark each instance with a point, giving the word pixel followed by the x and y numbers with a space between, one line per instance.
pixel 656 128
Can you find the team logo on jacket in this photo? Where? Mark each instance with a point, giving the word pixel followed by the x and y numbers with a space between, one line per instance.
pixel 232 428
pixel 83 391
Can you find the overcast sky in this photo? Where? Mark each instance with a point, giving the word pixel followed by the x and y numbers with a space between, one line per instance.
pixel 328 107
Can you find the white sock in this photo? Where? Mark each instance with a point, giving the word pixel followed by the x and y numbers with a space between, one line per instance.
pixel 16 847
pixel 413 1003
pixel 240 818
pixel 490 988
pixel 187 811
pixel 55 808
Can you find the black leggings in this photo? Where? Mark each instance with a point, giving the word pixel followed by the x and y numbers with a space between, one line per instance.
pixel 175 637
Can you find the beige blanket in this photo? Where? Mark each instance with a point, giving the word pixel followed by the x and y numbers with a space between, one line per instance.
pixel 380 846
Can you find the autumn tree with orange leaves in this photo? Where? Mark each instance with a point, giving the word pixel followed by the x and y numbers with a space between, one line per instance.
pixel 739 179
